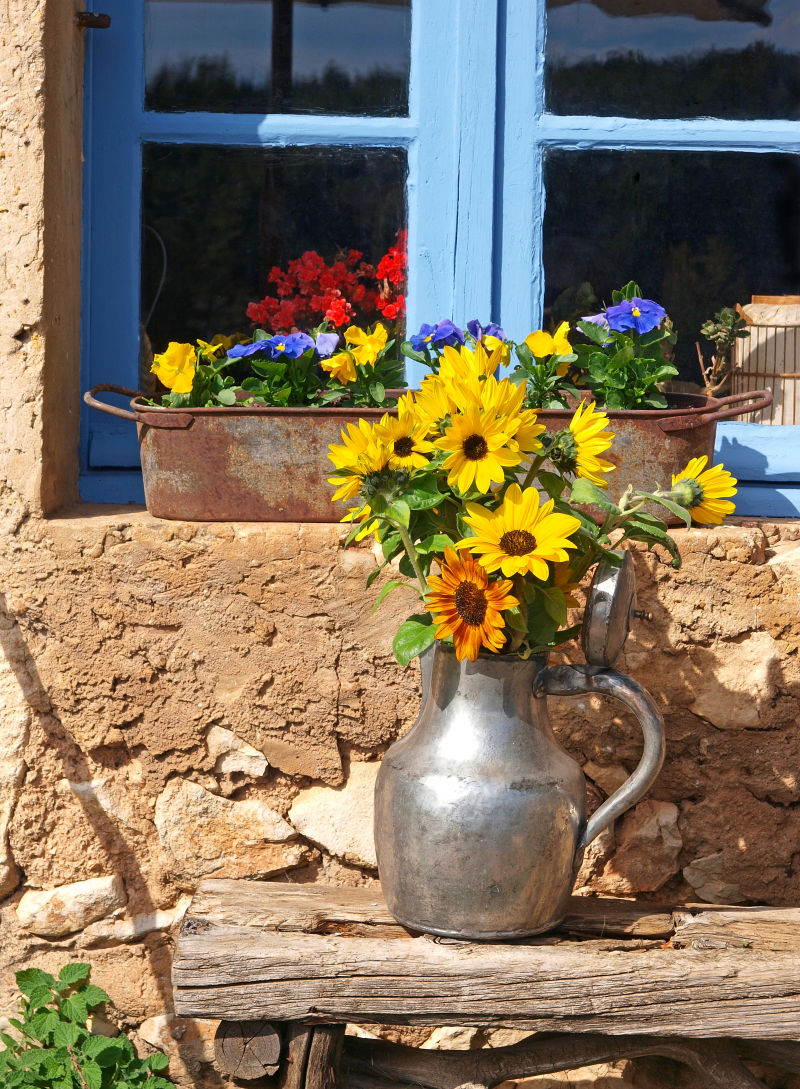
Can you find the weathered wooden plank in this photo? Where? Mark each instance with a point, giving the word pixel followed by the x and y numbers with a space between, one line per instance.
pixel 324 1057
pixel 776 929
pixel 318 909
pixel 235 973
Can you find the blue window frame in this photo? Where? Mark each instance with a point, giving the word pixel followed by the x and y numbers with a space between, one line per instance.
pixel 475 134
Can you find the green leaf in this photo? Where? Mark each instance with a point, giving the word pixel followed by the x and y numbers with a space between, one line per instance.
pixel 92 995
pixel 413 637
pixel 437 543
pixel 377 392
pixel 33 977
pixel 157 1062
pixel 423 495
pixel 412 353
pixel 78 972
pixel 225 397
pixel 66 1034
pixel 42 1025
pixel 552 483
pixel 75 1009
pixel 555 604
pixel 596 333
pixel 40 996
pixel 585 492
pixel 393 584
pixel 675 508
pixel 399 511
pixel 640 531
pixel 92 1075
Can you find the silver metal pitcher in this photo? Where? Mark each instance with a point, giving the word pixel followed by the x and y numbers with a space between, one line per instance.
pixel 480 815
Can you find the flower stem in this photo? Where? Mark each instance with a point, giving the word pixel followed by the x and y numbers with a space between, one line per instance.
pixel 530 476
pixel 411 552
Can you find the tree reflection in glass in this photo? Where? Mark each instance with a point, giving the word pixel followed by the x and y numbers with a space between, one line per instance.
pixel 737 59
pixel 278 56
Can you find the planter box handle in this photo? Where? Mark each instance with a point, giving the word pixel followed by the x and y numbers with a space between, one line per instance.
pixel 738 405
pixel 169 420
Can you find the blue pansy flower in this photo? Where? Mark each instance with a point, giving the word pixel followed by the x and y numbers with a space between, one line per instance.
pixel 639 314
pixel 326 344
pixel 423 339
pixel 447 332
pixel 291 346
pixel 242 351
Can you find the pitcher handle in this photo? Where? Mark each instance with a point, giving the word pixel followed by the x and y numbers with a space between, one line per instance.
pixel 564 680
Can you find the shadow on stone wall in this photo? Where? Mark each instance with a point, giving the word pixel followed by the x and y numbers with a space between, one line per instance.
pixel 53 920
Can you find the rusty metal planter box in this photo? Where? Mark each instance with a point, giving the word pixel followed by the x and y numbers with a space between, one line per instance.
pixel 248 464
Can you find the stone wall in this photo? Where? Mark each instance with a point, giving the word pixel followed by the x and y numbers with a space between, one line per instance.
pixel 182 700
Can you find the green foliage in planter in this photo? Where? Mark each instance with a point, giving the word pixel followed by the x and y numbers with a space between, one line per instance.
pixel 56 1049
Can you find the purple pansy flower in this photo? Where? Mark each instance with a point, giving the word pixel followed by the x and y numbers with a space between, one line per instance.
pixel 423 339
pixel 639 314
pixel 326 344
pixel 479 332
pixel 447 332
pixel 242 351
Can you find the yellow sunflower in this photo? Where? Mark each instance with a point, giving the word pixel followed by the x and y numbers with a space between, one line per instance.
pixel 175 367
pixel 704 492
pixel 433 401
pixel 360 453
pixel 587 428
pixel 466 606
pixel 367 346
pixel 340 366
pixel 405 436
pixel 527 434
pixel 479 450
pixel 520 537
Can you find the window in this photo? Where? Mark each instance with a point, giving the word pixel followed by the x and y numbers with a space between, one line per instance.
pixel 531 144
pixel 292 116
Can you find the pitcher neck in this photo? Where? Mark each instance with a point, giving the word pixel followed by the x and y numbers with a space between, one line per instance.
pixel 505 679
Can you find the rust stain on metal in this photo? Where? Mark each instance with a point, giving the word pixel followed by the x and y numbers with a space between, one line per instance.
pixel 243 464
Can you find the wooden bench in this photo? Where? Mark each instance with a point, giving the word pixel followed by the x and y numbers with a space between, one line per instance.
pixel 285 967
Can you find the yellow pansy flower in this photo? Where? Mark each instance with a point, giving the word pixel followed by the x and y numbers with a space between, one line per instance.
pixel 340 366
pixel 366 346
pixel 544 344
pixel 175 367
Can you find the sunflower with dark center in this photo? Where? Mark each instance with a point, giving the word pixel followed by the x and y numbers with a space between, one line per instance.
pixel 520 537
pixel 405 437
pixel 705 493
pixel 466 606
pixel 577 450
pixel 479 448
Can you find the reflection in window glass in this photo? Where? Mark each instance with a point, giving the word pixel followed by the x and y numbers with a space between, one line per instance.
pixel 737 59
pixel 217 221
pixel 697 231
pixel 278 56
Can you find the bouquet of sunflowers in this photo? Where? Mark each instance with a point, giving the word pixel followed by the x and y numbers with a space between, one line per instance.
pixel 490 520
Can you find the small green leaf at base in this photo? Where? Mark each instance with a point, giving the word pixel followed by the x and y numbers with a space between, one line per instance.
pixel 413 637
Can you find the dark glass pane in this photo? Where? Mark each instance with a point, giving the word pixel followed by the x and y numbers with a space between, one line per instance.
pixel 673 58
pixel 216 221
pixel 697 231
pixel 278 56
